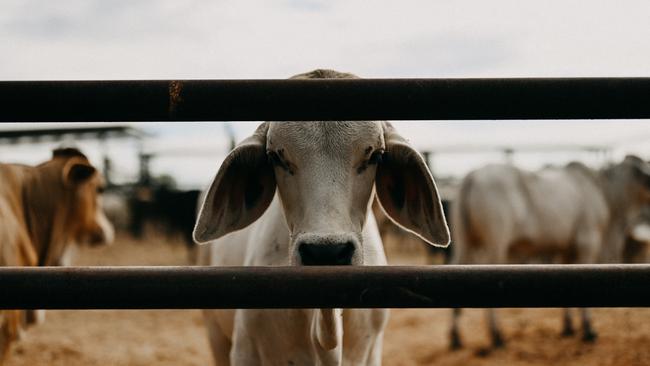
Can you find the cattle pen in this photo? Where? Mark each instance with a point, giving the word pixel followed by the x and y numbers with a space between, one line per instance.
pixel 617 285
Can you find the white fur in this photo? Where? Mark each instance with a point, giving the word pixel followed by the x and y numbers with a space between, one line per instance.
pixel 304 337
pixel 322 197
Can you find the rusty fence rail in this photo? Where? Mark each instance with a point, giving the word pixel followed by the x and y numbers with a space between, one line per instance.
pixel 364 99
pixel 317 287
pixel 325 287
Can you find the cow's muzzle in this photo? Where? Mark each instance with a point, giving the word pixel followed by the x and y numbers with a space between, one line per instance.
pixel 326 250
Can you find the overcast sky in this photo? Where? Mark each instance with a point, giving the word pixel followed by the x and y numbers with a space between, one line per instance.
pixel 161 39
pixel 123 39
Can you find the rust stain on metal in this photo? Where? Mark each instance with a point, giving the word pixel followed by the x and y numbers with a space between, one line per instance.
pixel 175 99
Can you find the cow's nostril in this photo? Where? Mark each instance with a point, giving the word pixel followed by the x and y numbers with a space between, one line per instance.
pixel 346 253
pixel 326 254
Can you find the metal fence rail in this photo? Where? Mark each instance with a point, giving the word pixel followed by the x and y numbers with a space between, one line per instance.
pixel 366 99
pixel 325 287
pixel 318 287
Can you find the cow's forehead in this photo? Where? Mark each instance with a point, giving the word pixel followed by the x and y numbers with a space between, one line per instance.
pixel 327 137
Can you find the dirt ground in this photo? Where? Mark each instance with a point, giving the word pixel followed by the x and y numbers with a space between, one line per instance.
pixel 413 337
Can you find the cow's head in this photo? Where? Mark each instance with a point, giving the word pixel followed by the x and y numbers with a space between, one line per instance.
pixel 628 187
pixel 79 203
pixel 64 205
pixel 83 184
pixel 324 173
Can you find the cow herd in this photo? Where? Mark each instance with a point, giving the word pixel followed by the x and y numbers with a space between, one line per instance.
pixel 297 194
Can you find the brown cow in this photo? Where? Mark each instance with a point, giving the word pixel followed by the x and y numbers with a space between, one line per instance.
pixel 43 209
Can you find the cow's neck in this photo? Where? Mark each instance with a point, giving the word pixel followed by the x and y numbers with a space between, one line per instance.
pixel 42 216
pixel 614 238
pixel 325 326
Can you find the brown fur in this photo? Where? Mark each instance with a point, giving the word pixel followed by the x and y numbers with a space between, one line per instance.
pixel 42 209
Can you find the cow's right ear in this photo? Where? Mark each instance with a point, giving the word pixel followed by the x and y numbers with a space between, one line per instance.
pixel 77 171
pixel 240 193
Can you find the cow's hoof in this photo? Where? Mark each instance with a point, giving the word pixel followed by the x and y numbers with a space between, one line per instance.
pixel 589 336
pixel 483 352
pixel 497 341
pixel 568 332
pixel 455 344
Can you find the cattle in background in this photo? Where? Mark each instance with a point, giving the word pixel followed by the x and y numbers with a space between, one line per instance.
pixel 170 210
pixel 43 210
pixel 115 203
pixel 177 211
pixel 571 214
pixel 299 194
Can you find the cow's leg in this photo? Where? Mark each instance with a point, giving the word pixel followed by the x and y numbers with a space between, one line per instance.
pixel 587 248
pixel 6 333
pixel 495 333
pixel 34 317
pixel 455 342
pixel 588 333
pixel 454 335
pixel 500 257
pixel 567 324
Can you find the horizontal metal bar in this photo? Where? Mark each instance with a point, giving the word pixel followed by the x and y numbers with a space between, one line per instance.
pixel 325 287
pixel 325 99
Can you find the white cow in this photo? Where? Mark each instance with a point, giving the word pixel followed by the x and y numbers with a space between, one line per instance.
pixel 570 214
pixel 324 173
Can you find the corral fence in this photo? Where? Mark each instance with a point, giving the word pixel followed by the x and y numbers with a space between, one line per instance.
pixel 614 285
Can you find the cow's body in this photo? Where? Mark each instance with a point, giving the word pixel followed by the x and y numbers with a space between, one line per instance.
pixel 265 243
pixel 43 210
pixel 509 215
pixel 15 245
pixel 557 215
pixel 16 248
pixel 296 194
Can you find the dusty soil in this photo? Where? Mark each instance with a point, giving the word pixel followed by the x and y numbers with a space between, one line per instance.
pixel 413 337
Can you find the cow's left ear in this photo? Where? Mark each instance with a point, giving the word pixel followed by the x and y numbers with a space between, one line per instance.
pixel 407 192
pixel 76 171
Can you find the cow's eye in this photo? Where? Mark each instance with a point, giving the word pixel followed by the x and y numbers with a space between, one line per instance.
pixel 277 159
pixel 274 158
pixel 376 157
pixel 101 189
